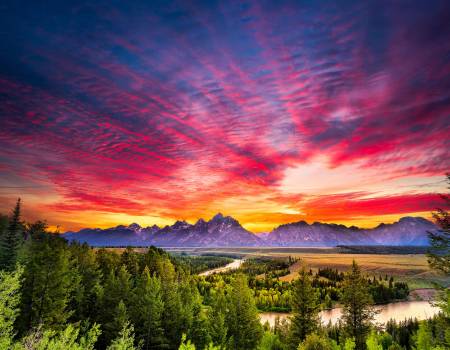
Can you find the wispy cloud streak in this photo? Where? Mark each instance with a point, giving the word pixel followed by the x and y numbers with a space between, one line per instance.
pixel 176 110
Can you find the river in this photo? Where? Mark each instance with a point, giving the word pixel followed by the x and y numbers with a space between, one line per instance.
pixel 398 311
pixel 231 266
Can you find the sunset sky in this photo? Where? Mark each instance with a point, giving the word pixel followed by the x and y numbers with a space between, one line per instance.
pixel 115 112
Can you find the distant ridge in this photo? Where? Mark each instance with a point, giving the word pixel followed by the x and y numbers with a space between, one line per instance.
pixel 225 231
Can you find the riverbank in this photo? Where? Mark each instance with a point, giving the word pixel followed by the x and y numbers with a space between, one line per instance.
pixel 231 266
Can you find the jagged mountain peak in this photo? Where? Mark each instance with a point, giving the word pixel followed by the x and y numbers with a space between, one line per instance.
pixel 134 226
pixel 220 219
pixel 217 217
pixel 226 231
pixel 200 221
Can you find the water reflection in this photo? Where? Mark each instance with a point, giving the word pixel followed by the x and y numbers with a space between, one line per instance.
pixel 397 311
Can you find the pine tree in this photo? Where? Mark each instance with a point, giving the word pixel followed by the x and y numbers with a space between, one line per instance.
pixel 357 311
pixel 90 291
pixel 130 260
pixel 113 310
pixel 11 239
pixel 373 342
pixel 217 318
pixel 9 305
pixel 270 341
pixel 147 310
pixel 424 337
pixel 172 314
pixel 439 259
pixel 125 340
pixel 439 253
pixel 118 321
pixel 243 321
pixel 305 309
pixel 199 332
pixel 49 282
pixel 66 339
pixel 316 342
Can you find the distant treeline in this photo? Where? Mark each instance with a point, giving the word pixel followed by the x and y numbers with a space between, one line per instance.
pixel 370 249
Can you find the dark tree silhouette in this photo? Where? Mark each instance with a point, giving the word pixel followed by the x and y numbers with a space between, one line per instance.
pixel 439 252
pixel 11 239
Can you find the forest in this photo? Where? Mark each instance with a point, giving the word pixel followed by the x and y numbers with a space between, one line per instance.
pixel 272 294
pixel 60 295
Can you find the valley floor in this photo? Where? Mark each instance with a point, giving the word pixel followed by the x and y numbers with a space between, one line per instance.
pixel 411 268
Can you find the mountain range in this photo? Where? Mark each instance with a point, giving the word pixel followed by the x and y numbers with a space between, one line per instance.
pixel 225 231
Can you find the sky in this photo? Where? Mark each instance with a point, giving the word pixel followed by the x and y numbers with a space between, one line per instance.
pixel 115 112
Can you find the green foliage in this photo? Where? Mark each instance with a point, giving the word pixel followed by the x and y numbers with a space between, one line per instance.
pixel 49 282
pixel 118 322
pixel 270 341
pixel 439 259
pixel 424 337
pixel 66 339
pixel 439 253
pixel 114 314
pixel 402 332
pixel 349 344
pixel 394 346
pixel 217 318
pixel 197 264
pixel 305 310
pixel 243 321
pixel 357 312
pixel 125 340
pixel 147 311
pixel 9 305
pixel 11 239
pixel 271 267
pixel 316 342
pixel 186 345
pixel 173 312
pixel 372 342
pixel 89 291
pixel 199 331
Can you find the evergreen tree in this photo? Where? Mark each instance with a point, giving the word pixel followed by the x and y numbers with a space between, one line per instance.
pixel 357 310
pixel 118 289
pixel 49 282
pixel 131 262
pixel 305 309
pixel 199 332
pixel 172 314
pixel 89 293
pixel 439 259
pixel 243 320
pixel 424 337
pixel 270 341
pixel 147 310
pixel 11 239
pixel 108 261
pixel 9 305
pixel 118 323
pixel 217 318
pixel 316 342
pixel 349 344
pixel 66 339
pixel 439 253
pixel 125 340
pixel 372 342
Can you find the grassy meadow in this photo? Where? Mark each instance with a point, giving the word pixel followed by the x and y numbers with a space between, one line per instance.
pixel 410 268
